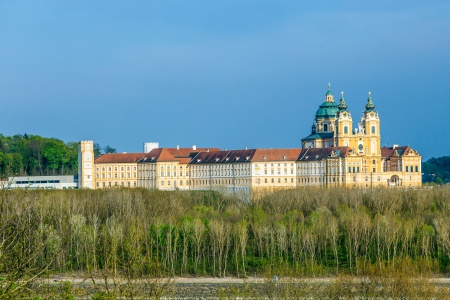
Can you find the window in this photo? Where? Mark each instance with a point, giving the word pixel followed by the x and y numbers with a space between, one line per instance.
pixel 265 180
pixel 273 180
pixel 373 129
pixel 345 129
pixel 325 127
pixel 417 168
pixel 406 168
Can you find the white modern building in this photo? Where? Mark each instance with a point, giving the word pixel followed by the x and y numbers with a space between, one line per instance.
pixel 41 182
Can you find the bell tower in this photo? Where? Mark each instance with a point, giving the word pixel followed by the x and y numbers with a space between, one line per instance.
pixel 86 165
pixel 370 122
pixel 344 124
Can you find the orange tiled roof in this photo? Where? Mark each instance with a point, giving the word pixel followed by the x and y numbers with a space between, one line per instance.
pixel 119 158
pixel 388 152
pixel 183 155
pixel 276 154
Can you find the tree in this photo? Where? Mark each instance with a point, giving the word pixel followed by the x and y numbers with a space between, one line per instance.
pixel 109 149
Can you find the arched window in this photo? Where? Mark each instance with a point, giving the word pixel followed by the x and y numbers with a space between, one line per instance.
pixel 325 127
pixel 346 129
pixel 373 129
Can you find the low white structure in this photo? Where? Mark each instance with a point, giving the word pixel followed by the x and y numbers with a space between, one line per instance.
pixel 41 182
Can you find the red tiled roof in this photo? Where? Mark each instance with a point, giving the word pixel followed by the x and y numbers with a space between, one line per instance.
pixel 387 152
pixel 183 155
pixel 276 154
pixel 119 158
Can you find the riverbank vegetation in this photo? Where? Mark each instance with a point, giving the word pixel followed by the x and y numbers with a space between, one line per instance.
pixel 137 233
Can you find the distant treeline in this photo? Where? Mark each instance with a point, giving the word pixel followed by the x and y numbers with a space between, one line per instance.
pixel 301 232
pixel 437 170
pixel 33 155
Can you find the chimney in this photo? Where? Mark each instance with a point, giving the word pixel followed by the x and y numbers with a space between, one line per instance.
pixel 194 147
pixel 178 147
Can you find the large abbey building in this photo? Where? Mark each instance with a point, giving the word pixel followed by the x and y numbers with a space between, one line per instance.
pixel 336 153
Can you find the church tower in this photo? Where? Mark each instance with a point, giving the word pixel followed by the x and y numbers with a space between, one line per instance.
pixel 86 165
pixel 344 124
pixel 370 124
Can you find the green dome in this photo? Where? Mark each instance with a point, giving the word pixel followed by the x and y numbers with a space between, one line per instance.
pixel 327 110
pixel 329 93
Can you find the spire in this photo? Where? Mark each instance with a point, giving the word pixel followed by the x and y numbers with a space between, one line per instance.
pixel 342 105
pixel 329 95
pixel 370 106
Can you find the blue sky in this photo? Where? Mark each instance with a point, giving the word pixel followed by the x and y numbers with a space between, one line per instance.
pixel 228 74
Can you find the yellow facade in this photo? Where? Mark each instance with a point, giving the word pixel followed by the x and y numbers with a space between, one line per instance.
pixel 338 152
pixel 115 175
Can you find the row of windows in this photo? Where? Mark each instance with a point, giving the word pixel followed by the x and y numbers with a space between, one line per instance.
pixel 115 168
pixel 174 182
pixel 272 180
pixel 109 175
pixel 272 172
pixel 411 169
pixel 221 181
pixel 116 184
pixel 373 129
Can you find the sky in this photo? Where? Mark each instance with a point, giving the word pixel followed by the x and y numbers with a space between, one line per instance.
pixel 228 74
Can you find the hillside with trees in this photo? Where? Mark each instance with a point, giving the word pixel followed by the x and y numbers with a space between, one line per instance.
pixel 33 155
pixel 436 170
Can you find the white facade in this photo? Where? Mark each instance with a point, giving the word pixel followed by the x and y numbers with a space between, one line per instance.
pixel 41 182
pixel 86 165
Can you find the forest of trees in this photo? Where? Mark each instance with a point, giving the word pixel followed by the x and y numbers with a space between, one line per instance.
pixel 33 155
pixel 135 233
pixel 303 231
pixel 436 170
